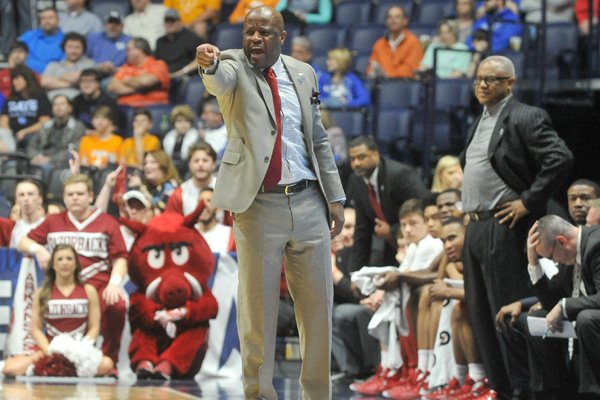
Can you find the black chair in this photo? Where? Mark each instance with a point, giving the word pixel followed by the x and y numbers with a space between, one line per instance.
pixel 398 94
pixel 393 133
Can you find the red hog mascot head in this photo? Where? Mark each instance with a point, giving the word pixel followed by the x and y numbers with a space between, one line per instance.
pixel 170 263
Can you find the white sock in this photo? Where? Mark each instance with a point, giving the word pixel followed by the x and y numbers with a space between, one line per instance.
pixel 384 360
pixel 476 371
pixel 431 360
pixel 423 359
pixel 461 373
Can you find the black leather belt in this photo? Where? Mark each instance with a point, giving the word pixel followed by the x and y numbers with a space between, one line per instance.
pixel 477 216
pixel 288 189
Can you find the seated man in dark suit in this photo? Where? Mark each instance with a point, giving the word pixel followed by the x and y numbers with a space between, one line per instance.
pixel 574 292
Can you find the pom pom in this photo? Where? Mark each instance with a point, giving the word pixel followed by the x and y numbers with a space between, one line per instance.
pixel 80 351
pixel 54 365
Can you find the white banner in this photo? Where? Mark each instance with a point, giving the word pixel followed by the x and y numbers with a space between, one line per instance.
pixel 223 358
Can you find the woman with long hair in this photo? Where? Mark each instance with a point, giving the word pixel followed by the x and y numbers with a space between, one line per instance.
pixel 27 108
pixel 159 178
pixel 61 305
pixel 448 174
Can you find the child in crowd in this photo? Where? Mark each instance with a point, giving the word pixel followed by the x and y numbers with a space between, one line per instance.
pixel 142 141
pixel 102 146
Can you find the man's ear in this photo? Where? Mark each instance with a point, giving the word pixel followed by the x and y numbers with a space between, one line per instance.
pixel 562 240
pixel 282 37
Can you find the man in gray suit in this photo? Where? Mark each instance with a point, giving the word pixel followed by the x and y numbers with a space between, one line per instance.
pixel 279 178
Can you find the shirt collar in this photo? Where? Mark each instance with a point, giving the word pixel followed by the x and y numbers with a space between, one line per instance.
pixel 394 43
pixel 373 178
pixel 278 67
pixel 498 107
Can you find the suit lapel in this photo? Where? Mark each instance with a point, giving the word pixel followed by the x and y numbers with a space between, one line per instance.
pixel 498 132
pixel 264 90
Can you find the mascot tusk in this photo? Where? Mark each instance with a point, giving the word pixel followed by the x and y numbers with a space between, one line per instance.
pixel 196 288
pixel 152 288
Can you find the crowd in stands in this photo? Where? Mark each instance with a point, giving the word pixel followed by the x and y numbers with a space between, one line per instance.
pixel 106 96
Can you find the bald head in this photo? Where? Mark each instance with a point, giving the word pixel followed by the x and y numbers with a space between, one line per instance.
pixel 263 36
pixel 268 13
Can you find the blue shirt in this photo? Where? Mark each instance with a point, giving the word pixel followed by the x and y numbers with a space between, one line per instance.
pixel 295 166
pixel 43 49
pixel 501 31
pixel 351 89
pixel 101 48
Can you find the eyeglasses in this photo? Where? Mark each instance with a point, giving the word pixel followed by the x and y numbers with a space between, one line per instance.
pixel 489 80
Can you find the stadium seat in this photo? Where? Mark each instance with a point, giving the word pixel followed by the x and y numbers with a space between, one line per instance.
pixel 353 12
pixel 382 6
pixel 398 93
pixel 393 132
pixel 362 38
pixel 227 36
pixel 433 11
pixel 352 122
pixel 103 8
pixel 326 37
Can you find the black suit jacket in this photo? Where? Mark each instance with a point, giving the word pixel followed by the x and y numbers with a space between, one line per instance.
pixel 550 291
pixel 396 183
pixel 526 152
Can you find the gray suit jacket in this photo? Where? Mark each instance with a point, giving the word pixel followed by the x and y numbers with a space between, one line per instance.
pixel 246 102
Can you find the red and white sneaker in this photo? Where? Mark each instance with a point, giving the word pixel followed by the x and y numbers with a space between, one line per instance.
pixel 378 374
pixel 411 390
pixel 443 393
pixel 479 390
pixel 378 384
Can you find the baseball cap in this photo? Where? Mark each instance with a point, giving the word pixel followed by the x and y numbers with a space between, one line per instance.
pixel 113 16
pixel 172 15
pixel 137 195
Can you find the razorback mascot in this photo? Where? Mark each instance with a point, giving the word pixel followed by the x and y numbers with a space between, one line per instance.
pixel 170 263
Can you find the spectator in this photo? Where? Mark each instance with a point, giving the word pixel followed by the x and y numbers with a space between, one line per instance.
pixel 378 187
pixel 50 147
pixel 29 199
pixel 91 97
pixel 243 6
pixel 448 174
pixel 431 217
pixel 399 54
pixel 178 47
pixel 17 56
pixel 143 80
pixel 481 46
pixel 449 205
pixel 501 21
pixel 218 236
pixel 201 161
pixel 27 109
pixel 199 16
pixel 449 63
pixel 178 141
pixel 100 147
pixel 302 50
pixel 556 11
pixel 142 141
pixel 146 21
pixel 340 87
pixel 44 43
pixel 213 130
pixel 303 13
pixel 103 259
pixel 62 77
pixel 464 17
pixel 108 48
pixel 78 19
pixel 160 178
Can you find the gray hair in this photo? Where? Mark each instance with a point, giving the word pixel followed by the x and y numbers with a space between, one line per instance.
pixel 550 226
pixel 502 63
pixel 303 41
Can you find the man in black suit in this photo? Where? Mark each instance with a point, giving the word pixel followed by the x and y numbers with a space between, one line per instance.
pixel 512 162
pixel 574 292
pixel 382 183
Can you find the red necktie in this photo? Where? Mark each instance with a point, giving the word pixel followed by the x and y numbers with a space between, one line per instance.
pixel 375 204
pixel 273 175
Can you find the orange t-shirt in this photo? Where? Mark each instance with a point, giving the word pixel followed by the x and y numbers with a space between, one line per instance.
pixel 159 95
pixel 98 152
pixel 243 6
pixel 402 62
pixel 190 10
pixel 149 143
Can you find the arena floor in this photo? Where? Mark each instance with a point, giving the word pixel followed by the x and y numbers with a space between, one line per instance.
pixel 217 389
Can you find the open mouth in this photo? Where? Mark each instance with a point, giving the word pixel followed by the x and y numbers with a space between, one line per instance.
pixel 256 51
